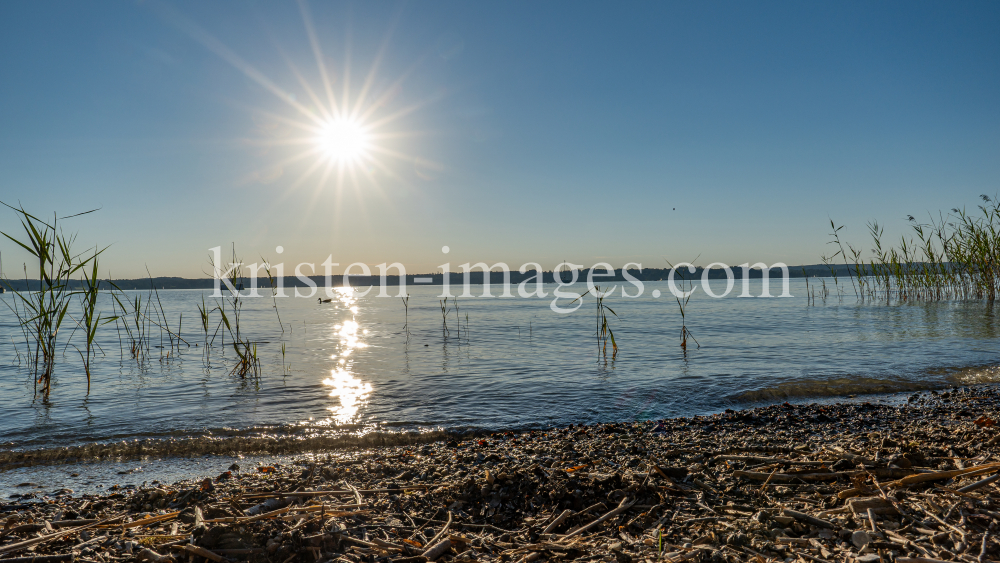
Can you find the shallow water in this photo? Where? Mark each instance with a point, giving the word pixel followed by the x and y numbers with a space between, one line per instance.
pixel 359 366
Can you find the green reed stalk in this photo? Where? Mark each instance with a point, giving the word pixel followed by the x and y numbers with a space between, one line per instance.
pixel 406 316
pixel 41 313
pixel 444 315
pixel 274 291
pixel 682 305
pixel 203 313
pixel 603 333
pixel 91 318
pixel 840 250
pixel 247 362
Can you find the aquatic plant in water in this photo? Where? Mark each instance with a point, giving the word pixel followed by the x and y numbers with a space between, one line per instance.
pixel 41 313
pixel 953 256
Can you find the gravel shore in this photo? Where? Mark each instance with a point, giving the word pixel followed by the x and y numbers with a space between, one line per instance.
pixel 863 482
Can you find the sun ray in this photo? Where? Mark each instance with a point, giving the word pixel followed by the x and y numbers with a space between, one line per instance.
pixel 210 42
pixel 316 194
pixel 348 53
pixel 376 64
pixel 318 54
pixel 280 164
pixel 308 89
pixel 348 134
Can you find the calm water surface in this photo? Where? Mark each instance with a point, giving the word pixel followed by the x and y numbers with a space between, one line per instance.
pixel 358 365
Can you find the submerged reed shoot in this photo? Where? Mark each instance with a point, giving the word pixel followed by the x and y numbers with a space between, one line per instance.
pixel 686 291
pixel 444 315
pixel 406 316
pixel 603 333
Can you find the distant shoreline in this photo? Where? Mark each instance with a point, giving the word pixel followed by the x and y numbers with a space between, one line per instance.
pixel 455 278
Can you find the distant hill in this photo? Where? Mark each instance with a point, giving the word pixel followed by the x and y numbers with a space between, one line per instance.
pixel 475 278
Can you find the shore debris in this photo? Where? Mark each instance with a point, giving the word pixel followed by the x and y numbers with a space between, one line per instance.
pixel 852 482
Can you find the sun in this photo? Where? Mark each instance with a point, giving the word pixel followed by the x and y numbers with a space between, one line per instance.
pixel 341 131
pixel 344 140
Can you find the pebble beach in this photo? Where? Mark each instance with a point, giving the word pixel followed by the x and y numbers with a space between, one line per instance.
pixel 845 482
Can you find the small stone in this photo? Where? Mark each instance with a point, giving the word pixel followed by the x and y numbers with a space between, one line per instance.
pixel 737 540
pixel 784 520
pixel 860 538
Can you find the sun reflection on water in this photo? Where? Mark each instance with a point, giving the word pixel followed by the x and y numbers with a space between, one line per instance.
pixel 352 392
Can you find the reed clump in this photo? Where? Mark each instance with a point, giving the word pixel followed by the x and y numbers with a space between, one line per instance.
pixel 41 313
pixel 954 256
pixel 230 310
pixel 135 321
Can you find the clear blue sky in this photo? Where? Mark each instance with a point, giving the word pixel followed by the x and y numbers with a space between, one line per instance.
pixel 510 131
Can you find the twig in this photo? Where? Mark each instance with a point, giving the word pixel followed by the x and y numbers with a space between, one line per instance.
pixel 622 507
pixel 35 541
pixel 442 532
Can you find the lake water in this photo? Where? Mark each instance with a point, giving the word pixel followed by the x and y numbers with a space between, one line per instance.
pixel 358 368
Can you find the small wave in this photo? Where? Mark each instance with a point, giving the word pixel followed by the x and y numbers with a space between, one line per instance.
pixel 213 445
pixel 973 375
pixel 836 387
pixel 940 378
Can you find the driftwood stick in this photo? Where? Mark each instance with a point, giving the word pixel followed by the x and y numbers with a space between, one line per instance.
pixel 195 550
pixel 157 519
pixel 622 507
pixel 937 475
pixel 442 532
pixel 943 523
pixel 811 557
pixel 807 519
pixel 339 492
pixel 357 495
pixel 831 476
pixel 41 559
pixel 388 545
pixel 11 548
pixel 356 541
pixel 979 484
pixel 559 520
pixel 154 557
pixel 438 549
pixel 768 480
